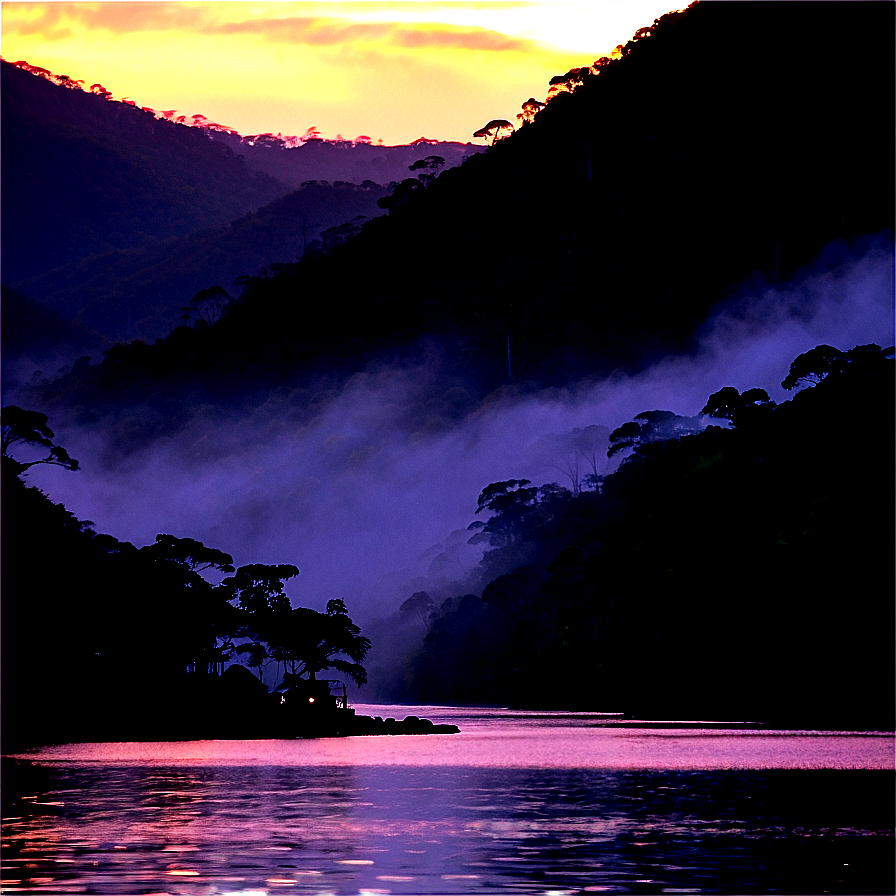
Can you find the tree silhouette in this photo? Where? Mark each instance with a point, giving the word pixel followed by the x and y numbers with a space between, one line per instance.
pixel 400 195
pixel 574 78
pixel 729 404
pixel 256 653
pixel 421 604
pixel 310 642
pixel 428 168
pixel 530 109
pixel 493 129
pixel 207 305
pixel 258 588
pixel 204 621
pixel 651 426
pixel 190 552
pixel 580 455
pixel 30 428
pixel 811 367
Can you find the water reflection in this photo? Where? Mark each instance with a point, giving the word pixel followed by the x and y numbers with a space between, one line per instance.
pixel 279 817
pixel 448 830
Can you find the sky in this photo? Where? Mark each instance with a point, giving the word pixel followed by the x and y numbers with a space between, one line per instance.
pixel 392 71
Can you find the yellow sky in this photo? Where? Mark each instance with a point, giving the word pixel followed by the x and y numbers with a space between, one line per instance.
pixel 394 71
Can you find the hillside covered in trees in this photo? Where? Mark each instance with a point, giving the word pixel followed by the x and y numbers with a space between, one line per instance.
pixel 736 564
pixel 599 235
pixel 121 214
pixel 740 569
pixel 142 293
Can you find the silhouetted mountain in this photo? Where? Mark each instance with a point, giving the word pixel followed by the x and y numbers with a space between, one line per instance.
pixel 85 175
pixel 140 293
pixel 334 160
pixel 724 141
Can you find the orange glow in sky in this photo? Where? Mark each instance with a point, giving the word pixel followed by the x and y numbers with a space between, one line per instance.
pixel 394 71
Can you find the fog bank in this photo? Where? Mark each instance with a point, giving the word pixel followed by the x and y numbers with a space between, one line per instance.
pixel 358 502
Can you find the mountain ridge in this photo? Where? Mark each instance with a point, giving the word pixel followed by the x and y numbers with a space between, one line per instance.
pixel 88 179
pixel 571 247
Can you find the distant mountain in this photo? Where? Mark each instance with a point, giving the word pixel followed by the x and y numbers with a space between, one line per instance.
pixel 82 175
pixel 139 293
pixel 97 195
pixel 346 160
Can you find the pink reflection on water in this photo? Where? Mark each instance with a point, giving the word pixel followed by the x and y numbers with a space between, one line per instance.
pixel 516 743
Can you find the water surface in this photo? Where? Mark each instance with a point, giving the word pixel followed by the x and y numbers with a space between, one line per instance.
pixel 518 802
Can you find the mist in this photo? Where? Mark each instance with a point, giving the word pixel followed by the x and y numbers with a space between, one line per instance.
pixel 363 504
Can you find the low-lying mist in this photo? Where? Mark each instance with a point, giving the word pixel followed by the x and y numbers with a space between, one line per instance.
pixel 371 512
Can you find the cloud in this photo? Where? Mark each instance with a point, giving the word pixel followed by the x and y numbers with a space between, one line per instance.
pixel 55 21
pixel 316 31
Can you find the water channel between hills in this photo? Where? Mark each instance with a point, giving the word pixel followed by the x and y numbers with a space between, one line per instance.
pixel 522 802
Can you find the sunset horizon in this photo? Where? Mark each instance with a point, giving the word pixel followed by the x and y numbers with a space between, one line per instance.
pixel 394 72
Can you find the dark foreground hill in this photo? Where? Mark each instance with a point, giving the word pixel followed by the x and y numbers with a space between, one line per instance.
pixel 742 572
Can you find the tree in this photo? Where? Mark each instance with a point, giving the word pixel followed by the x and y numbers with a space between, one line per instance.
pixel 203 619
pixel 257 653
pixel 811 367
pixel 400 194
pixel 207 305
pixel 651 426
pixel 428 168
pixel 258 588
pixel 30 428
pixel 530 109
pixel 574 78
pixel 580 454
pixel 421 604
pixel 262 608
pixel 493 129
pixel 518 508
pixel 310 642
pixel 190 552
pixel 729 404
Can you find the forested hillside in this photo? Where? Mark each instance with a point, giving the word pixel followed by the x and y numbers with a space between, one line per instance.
pixel 122 215
pixel 142 293
pixel 737 566
pixel 353 161
pixel 600 286
pixel 739 571
pixel 83 175
pixel 597 236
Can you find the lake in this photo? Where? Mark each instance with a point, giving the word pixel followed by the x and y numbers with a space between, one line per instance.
pixel 526 802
